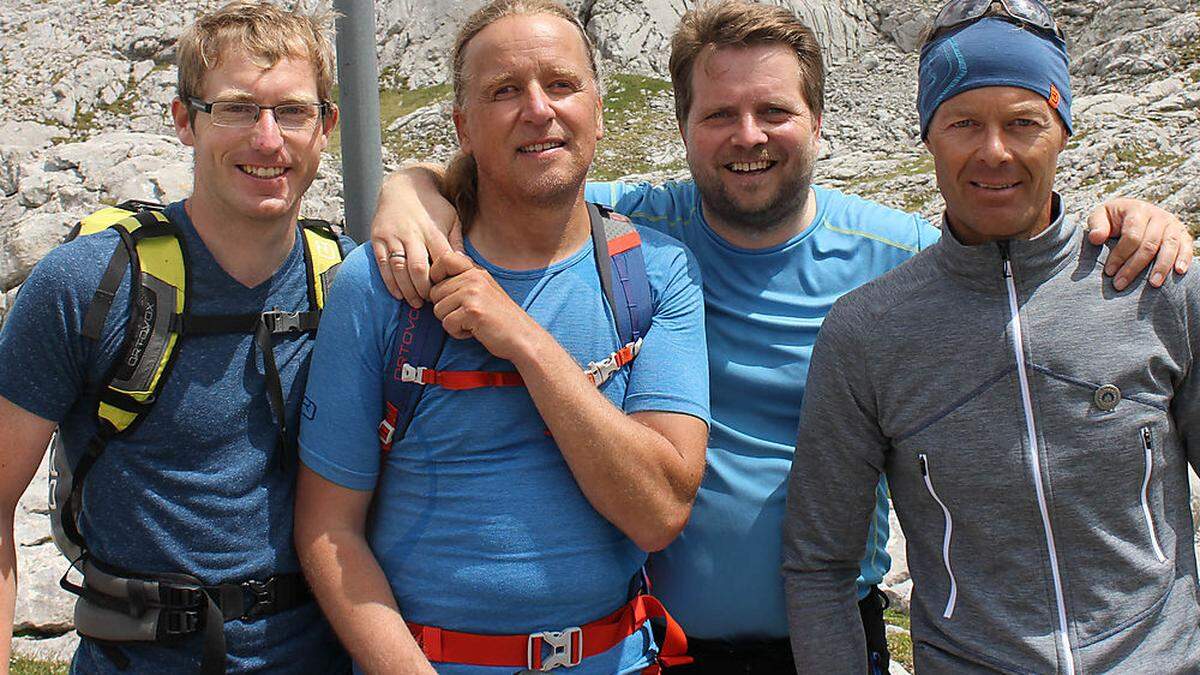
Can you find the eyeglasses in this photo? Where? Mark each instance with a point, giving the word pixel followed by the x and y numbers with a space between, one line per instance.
pixel 243 114
pixel 1032 13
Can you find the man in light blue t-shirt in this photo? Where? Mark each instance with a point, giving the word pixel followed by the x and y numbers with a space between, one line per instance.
pixel 510 515
pixel 775 254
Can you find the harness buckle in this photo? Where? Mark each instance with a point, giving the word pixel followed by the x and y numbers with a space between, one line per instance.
pixel 411 373
pixel 561 651
pixel 282 322
pixel 182 622
pixel 181 597
pixel 264 596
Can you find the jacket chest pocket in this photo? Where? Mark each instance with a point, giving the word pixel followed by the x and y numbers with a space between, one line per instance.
pixel 1146 441
pixel 947 536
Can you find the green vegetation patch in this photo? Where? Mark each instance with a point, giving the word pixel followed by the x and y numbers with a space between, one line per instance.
pixel 394 104
pixel 639 128
pixel 899 645
pixel 20 665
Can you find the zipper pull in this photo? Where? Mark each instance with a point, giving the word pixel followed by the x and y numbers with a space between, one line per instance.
pixel 1003 245
pixel 1147 439
pixel 923 463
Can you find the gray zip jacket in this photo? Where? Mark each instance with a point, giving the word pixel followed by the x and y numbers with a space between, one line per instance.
pixel 1035 426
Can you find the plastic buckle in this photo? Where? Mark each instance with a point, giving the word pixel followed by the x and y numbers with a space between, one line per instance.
pixel 283 322
pixel 182 597
pixel 181 622
pixel 410 373
pixel 264 597
pixel 561 653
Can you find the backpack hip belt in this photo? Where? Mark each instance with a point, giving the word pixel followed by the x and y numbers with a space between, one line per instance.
pixel 115 606
pixel 566 647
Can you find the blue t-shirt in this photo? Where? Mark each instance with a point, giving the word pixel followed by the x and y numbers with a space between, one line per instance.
pixel 720 579
pixel 196 487
pixel 477 520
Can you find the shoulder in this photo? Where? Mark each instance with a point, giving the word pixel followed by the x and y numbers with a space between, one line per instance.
pixel 892 291
pixel 73 268
pixel 665 207
pixel 873 224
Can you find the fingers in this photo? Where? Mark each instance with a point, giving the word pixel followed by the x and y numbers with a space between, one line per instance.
pixel 1152 234
pixel 1187 249
pixel 1100 227
pixel 415 275
pixel 448 265
pixel 380 249
pixel 1164 262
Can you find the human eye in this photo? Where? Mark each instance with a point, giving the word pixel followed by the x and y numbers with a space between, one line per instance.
pixel 503 91
pixel 962 124
pixel 295 114
pixel 234 113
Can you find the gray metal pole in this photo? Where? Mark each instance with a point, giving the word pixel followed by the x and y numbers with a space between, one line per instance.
pixel 358 82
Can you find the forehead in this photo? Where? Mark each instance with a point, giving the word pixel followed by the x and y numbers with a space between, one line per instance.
pixel 997 100
pixel 758 70
pixel 239 72
pixel 522 42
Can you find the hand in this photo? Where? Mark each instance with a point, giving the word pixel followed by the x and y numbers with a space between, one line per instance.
pixel 413 224
pixel 1147 233
pixel 470 304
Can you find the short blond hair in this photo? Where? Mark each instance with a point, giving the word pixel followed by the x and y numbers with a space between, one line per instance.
pixel 264 31
pixel 735 23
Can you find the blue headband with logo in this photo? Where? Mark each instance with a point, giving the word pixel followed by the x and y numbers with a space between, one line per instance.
pixel 993 52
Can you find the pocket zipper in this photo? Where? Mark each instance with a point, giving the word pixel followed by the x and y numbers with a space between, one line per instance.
pixel 949 611
pixel 1148 448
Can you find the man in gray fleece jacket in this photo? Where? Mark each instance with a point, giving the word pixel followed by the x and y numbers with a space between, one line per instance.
pixel 1035 424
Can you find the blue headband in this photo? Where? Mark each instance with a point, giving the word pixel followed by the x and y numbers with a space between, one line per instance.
pixel 993 52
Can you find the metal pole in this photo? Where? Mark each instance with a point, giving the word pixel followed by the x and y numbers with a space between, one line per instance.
pixel 358 82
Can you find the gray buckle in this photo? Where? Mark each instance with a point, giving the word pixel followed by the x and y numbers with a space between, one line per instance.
pixel 283 322
pixel 559 642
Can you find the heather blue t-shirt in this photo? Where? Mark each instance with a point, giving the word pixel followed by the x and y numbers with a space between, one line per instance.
pixel 478 522
pixel 721 577
pixel 196 487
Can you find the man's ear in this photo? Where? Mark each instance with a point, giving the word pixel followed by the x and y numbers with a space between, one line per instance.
pixel 328 124
pixel 182 120
pixel 599 118
pixel 460 130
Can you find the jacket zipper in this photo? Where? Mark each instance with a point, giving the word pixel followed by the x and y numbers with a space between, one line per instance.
pixel 949 611
pixel 1148 447
pixel 1034 458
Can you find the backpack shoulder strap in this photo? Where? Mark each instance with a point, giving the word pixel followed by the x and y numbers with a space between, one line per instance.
pixel 414 346
pixel 622 268
pixel 322 258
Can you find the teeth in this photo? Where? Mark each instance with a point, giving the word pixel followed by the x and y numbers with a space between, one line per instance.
pixel 749 166
pixel 263 171
pixel 1002 186
pixel 541 146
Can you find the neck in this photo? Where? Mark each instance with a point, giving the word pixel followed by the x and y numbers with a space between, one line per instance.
pixel 523 235
pixel 970 236
pixel 248 250
pixel 755 236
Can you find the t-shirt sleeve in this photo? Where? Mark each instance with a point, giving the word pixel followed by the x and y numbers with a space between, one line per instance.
pixel 343 402
pixel 44 368
pixel 670 373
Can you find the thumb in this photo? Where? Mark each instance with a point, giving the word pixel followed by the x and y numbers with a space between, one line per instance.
pixel 448 265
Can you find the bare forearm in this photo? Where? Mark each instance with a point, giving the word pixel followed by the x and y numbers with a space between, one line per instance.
pixel 355 595
pixel 632 474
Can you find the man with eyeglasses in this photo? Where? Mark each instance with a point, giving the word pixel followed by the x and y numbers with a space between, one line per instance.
pixel 190 509
pixel 1040 474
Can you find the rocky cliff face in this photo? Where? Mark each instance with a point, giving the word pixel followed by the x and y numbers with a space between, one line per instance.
pixel 86 85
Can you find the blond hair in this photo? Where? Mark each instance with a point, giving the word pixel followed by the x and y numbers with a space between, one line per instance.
pixel 734 23
pixel 461 183
pixel 264 31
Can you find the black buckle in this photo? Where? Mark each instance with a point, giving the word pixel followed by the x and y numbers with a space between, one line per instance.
pixel 264 596
pixel 182 596
pixel 182 622
pixel 282 322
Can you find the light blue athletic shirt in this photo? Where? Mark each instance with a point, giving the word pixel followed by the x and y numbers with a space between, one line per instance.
pixel 763 308
pixel 197 486
pixel 478 522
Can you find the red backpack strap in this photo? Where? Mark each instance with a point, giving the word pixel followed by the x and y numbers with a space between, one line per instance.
pixel 623 275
